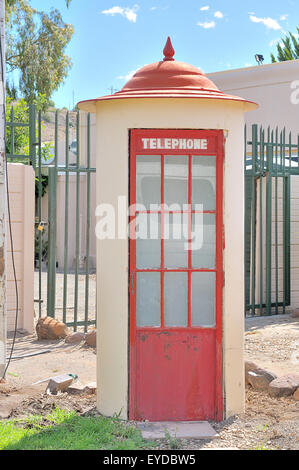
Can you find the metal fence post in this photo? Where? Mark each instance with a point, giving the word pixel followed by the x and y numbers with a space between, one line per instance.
pixel 269 229
pixel 52 202
pixel 253 216
pixel 32 135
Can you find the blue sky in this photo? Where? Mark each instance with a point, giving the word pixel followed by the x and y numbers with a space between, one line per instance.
pixel 113 38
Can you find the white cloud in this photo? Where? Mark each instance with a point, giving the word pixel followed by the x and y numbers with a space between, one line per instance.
pixel 283 17
pixel 207 24
pixel 129 13
pixel 128 76
pixel 206 8
pixel 274 42
pixel 218 14
pixel 270 23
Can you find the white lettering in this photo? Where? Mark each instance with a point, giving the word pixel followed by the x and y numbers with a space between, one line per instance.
pixel 153 143
pixel 175 144
pixel 145 143
pixel 295 93
pixel 168 144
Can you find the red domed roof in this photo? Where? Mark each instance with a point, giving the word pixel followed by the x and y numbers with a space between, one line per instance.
pixel 167 75
pixel 167 79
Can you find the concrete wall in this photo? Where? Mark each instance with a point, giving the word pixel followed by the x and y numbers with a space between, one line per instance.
pixel 114 119
pixel 270 86
pixel 72 221
pixel 21 184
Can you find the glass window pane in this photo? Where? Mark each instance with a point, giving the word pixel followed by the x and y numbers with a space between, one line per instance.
pixel 148 180
pixel 148 299
pixel 204 241
pixel 204 182
pixel 176 179
pixel 176 241
pixel 175 299
pixel 203 299
pixel 148 241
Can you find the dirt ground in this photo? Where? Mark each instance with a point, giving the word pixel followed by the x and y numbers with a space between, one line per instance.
pixel 268 423
pixel 23 373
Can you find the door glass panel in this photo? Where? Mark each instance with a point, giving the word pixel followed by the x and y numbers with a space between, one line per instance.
pixel 204 241
pixel 203 299
pixel 176 179
pixel 148 299
pixel 204 182
pixel 175 299
pixel 148 180
pixel 148 246
pixel 176 240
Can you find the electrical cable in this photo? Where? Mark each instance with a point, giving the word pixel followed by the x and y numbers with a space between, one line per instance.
pixel 9 219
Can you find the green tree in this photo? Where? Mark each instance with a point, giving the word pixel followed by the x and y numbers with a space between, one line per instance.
pixel 21 134
pixel 288 49
pixel 35 51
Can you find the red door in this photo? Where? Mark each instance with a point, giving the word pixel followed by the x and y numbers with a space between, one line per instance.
pixel 176 275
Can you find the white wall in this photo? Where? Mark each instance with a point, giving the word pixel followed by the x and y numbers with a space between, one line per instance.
pixel 21 184
pixel 268 85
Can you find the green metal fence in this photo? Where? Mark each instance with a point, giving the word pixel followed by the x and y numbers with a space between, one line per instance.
pixel 78 169
pixel 271 160
pixel 25 144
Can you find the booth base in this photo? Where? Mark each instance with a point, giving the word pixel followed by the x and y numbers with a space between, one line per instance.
pixel 179 430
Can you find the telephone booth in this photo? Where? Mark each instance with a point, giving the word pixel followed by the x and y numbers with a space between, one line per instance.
pixel 170 272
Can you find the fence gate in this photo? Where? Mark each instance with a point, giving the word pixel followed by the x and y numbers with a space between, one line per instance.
pixel 271 160
pixel 58 146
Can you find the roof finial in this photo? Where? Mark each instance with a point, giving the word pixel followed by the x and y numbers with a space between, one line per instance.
pixel 168 50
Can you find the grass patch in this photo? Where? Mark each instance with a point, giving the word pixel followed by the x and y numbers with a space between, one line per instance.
pixel 65 430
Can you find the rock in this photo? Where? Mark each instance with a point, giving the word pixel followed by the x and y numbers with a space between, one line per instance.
pixel 260 379
pixel 296 395
pixel 249 366
pixel 91 338
pixel 59 384
pixel 75 338
pixel 295 313
pixel 90 389
pixel 49 328
pixel 284 386
pixel 76 389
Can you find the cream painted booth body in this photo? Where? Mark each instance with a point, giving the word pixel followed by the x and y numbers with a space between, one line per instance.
pixel 170 308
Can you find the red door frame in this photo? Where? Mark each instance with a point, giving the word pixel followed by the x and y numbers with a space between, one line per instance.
pixel 215 147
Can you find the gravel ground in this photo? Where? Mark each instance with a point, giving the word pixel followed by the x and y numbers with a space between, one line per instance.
pixel 273 343
pixel 268 423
